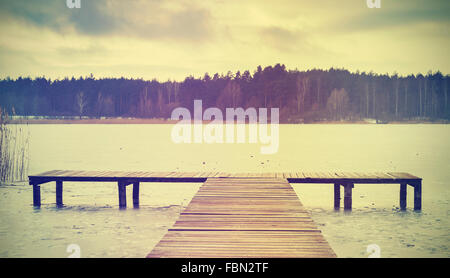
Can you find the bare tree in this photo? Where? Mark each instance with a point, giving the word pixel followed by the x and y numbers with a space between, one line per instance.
pixel 145 103
pixel 160 100
pixel 176 90
pixel 374 99
pixel 169 90
pixel 231 95
pixel 99 104
pixel 302 85
pixel 337 104
pixel 367 99
pixel 81 103
pixel 318 91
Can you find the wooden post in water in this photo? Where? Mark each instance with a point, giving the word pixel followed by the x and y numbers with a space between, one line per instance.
pixel 122 194
pixel 136 194
pixel 348 196
pixel 337 196
pixel 418 196
pixel 36 195
pixel 403 196
pixel 59 193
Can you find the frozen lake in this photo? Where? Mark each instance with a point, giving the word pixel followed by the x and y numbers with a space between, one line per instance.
pixel 92 220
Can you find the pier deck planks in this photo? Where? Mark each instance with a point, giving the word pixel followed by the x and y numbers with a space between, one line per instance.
pixel 295 177
pixel 244 217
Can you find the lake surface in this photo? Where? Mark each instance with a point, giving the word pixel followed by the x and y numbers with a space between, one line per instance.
pixel 91 218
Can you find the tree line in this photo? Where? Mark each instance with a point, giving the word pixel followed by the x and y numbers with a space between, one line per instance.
pixel 301 96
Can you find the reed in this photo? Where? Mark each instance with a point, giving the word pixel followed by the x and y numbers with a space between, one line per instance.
pixel 14 149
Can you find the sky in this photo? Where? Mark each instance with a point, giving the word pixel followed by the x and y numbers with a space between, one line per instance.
pixel 174 39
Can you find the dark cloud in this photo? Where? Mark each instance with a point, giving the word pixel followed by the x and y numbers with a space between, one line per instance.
pixel 39 13
pixel 400 13
pixel 107 17
pixel 93 18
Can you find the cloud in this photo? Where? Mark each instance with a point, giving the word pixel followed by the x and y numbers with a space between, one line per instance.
pixel 93 18
pixel 282 38
pixel 397 14
pixel 187 24
pixel 144 19
pixel 172 39
pixel 83 52
pixel 38 13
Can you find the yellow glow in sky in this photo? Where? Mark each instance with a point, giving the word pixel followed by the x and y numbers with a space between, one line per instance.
pixel 175 39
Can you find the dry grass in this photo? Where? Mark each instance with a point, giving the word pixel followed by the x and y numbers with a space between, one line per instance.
pixel 14 145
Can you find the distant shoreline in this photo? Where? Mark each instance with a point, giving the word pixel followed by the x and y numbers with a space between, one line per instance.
pixel 168 121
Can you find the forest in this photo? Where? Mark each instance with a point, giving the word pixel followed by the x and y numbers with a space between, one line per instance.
pixel 301 96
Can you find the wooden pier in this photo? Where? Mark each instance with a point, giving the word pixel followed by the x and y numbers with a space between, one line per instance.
pixel 338 179
pixel 238 215
pixel 244 217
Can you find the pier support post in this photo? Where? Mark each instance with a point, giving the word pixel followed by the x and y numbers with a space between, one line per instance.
pixel 403 196
pixel 418 196
pixel 122 195
pixel 136 194
pixel 348 196
pixel 59 193
pixel 36 195
pixel 337 196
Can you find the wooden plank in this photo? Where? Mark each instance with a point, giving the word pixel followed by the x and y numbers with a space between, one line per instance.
pixel 391 176
pixel 89 174
pixel 79 173
pixel 61 173
pixel 322 175
pixel 399 175
pixel 131 174
pixel 177 175
pixel 307 175
pixel 340 175
pixel 268 222
pixel 49 173
pixel 410 176
pixel 349 175
pixel 381 175
pixel 101 174
pixel 242 244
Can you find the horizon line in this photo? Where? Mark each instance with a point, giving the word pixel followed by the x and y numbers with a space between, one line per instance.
pixel 357 72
